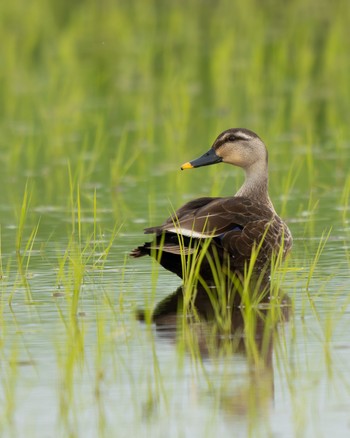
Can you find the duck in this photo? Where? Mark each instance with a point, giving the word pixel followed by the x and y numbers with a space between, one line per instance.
pixel 228 232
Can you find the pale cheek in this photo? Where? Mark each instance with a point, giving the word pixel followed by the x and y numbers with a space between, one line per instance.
pixel 235 159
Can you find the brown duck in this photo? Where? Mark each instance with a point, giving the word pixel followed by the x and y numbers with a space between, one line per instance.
pixel 236 226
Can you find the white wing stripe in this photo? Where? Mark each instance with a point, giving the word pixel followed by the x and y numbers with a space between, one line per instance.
pixel 189 233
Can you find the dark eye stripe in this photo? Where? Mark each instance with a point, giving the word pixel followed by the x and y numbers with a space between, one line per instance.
pixel 231 137
pixel 236 137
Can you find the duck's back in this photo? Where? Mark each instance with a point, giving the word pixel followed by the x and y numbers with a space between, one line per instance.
pixel 236 226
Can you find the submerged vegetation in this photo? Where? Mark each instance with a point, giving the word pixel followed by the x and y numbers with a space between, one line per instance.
pixel 100 104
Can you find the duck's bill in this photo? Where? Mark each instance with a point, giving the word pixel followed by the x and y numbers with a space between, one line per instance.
pixel 208 158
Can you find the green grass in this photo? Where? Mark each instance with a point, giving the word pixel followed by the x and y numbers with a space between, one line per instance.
pixel 100 104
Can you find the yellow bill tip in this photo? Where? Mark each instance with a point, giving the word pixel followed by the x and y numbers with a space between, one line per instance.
pixel 186 166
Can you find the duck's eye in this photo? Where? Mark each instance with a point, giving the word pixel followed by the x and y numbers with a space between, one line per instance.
pixel 231 138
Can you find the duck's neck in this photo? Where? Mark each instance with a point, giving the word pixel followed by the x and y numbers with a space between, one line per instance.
pixel 255 185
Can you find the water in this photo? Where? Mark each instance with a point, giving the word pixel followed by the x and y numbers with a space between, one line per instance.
pixel 101 372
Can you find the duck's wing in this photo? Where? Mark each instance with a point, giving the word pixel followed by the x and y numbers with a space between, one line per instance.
pixel 183 216
pixel 236 226
pixel 214 217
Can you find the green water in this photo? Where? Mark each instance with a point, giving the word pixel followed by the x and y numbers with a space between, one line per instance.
pixel 100 104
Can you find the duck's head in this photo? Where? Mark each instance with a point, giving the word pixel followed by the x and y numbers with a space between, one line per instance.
pixel 238 146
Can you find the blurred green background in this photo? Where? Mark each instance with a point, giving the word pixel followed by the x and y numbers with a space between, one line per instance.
pixel 125 89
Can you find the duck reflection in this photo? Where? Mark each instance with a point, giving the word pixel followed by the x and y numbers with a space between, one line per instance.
pixel 206 306
pixel 212 328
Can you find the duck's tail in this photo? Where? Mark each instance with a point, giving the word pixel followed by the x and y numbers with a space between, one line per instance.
pixel 140 251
